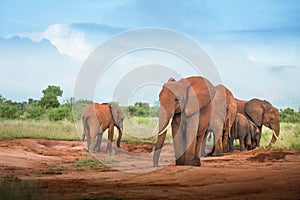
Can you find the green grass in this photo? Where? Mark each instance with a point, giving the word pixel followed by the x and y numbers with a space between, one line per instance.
pixel 137 130
pixel 89 162
pixel 289 137
pixel 44 129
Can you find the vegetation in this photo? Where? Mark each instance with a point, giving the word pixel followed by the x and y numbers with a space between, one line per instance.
pixel 289 115
pixel 89 162
pixel 48 107
pixel 47 118
pixel 45 129
pixel 288 137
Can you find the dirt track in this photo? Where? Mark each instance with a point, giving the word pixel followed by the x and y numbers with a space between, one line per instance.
pixel 47 168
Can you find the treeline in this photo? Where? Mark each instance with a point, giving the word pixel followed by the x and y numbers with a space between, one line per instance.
pixel 289 115
pixel 48 107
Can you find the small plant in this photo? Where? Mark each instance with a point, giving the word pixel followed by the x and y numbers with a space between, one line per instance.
pixel 89 162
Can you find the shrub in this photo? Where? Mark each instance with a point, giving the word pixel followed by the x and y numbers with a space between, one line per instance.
pixel 62 112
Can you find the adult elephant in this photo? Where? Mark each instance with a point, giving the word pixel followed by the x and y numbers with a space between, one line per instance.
pixel 96 118
pixel 224 110
pixel 241 106
pixel 187 103
pixel 262 112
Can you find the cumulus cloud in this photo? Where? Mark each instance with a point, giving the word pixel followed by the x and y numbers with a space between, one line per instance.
pixel 67 40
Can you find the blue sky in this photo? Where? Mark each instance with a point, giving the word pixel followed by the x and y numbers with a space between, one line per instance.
pixel 254 44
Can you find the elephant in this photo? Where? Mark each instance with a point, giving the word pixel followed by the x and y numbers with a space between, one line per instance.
pixel 261 112
pixel 186 105
pixel 223 114
pixel 240 130
pixel 241 107
pixel 96 118
pixel 255 134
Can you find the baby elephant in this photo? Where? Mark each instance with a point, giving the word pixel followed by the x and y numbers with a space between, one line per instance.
pixel 240 130
pixel 255 134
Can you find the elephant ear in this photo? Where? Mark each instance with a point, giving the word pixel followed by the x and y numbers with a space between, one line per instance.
pixel 117 114
pixel 200 92
pixel 255 110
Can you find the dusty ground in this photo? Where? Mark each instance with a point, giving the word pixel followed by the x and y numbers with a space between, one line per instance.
pixel 43 169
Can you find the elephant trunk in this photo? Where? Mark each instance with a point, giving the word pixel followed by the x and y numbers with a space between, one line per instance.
pixel 275 136
pixel 164 121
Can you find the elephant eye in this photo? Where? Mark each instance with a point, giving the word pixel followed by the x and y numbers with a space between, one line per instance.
pixel 176 99
pixel 271 119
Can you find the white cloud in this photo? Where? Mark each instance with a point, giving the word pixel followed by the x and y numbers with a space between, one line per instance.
pixel 67 40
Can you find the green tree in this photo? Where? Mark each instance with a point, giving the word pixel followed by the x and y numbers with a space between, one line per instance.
pixel 53 90
pixel 49 100
pixel 139 109
pixel 9 109
pixel 289 115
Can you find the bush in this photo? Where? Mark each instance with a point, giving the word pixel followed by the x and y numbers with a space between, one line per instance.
pixel 62 112
pixel 139 109
pixel 289 115
pixel 33 112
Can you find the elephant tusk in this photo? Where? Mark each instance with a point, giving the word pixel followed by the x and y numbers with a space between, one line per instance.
pixel 165 128
pixel 277 137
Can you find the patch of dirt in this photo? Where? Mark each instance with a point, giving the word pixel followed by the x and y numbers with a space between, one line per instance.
pixel 45 169
pixel 137 148
pixel 270 156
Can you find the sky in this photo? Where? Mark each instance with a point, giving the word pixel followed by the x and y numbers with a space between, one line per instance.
pixel 255 44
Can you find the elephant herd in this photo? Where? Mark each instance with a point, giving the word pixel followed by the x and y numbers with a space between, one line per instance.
pixel 193 107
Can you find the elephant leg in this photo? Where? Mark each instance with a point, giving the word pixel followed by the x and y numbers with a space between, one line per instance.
pixel 119 137
pixel 191 135
pixel 242 144
pixel 110 139
pixel 92 141
pixel 88 139
pixel 218 150
pixel 177 134
pixel 98 141
pixel 199 144
pixel 259 136
pixel 225 140
pixel 230 142
pixel 203 153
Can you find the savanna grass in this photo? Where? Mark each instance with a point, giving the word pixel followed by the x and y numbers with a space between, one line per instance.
pixel 289 137
pixel 137 130
pixel 44 129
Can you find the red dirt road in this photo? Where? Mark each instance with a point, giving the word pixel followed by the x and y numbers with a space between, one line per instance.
pixel 44 169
